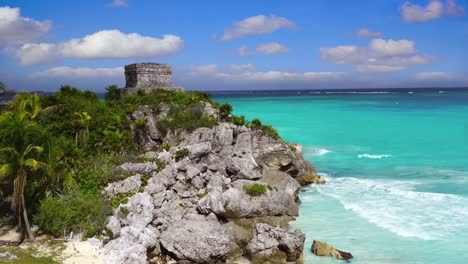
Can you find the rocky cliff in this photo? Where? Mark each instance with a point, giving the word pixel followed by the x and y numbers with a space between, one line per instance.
pixel 214 195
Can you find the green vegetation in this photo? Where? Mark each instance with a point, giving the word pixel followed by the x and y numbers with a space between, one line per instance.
pixel 205 193
pixel 58 151
pixel 141 124
pixel 76 212
pixel 255 124
pixel 32 255
pixel 112 93
pixel 255 189
pixel 225 110
pixel 181 153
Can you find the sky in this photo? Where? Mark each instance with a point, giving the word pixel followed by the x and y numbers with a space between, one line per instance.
pixel 236 45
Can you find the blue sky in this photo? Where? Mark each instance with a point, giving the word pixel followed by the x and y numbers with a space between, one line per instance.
pixel 216 45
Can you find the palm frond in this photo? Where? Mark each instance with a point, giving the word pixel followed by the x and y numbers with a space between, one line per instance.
pixel 5 170
pixel 30 148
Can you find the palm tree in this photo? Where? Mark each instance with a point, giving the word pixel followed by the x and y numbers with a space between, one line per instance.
pixel 58 172
pixel 19 164
pixel 20 147
pixel 83 123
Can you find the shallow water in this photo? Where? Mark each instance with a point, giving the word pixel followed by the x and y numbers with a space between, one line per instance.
pixel 397 171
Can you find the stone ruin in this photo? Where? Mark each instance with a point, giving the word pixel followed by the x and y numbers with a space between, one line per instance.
pixel 147 77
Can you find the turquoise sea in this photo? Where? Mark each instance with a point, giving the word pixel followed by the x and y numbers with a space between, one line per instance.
pixel 396 166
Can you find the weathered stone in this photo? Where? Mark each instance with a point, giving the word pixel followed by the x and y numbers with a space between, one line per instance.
pixel 199 150
pixel 147 76
pixel 323 249
pixel 122 251
pixel 268 240
pixel 125 186
pixel 196 241
pixel 141 168
pixel 140 210
pixel 235 203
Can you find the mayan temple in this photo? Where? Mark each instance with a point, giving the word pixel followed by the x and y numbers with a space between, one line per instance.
pixel 147 77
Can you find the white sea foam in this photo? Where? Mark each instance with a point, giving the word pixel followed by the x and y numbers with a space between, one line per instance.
pixel 315 151
pixel 370 156
pixel 395 206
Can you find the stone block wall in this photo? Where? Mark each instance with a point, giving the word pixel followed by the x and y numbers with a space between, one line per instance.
pixel 147 76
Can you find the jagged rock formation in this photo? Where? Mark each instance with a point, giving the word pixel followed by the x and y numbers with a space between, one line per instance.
pixel 196 209
pixel 147 76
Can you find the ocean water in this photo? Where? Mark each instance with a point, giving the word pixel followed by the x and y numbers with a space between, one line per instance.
pixel 396 166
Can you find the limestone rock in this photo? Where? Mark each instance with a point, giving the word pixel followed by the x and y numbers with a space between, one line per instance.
pixel 323 249
pixel 125 186
pixel 235 203
pixel 196 241
pixel 268 240
pixel 140 168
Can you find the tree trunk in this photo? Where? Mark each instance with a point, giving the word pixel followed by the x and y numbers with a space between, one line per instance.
pixel 26 221
pixel 21 211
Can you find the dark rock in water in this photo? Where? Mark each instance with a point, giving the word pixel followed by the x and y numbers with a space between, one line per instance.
pixel 323 249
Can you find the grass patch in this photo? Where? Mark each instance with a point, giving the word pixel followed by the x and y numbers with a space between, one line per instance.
pixel 255 189
pixel 181 153
pixel 205 193
pixel 31 255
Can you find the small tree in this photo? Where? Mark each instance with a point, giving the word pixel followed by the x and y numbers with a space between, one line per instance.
pixel 82 134
pixel 112 93
pixel 256 124
pixel 225 110
pixel 19 153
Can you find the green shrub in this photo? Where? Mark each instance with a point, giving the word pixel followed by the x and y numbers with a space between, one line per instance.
pixel 76 212
pixel 181 153
pixel 205 193
pixel 141 92
pixel 141 124
pixel 255 189
pixel 112 93
pixel 121 198
pixel 239 120
pixel 270 131
pixel 225 110
pixel 95 172
pixel 166 146
pixel 255 124
pixel 186 118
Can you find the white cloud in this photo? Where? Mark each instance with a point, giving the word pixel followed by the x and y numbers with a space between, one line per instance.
pixel 366 33
pixel 113 44
pixel 380 56
pixel 433 76
pixel 32 54
pixel 435 9
pixel 106 44
pixel 119 3
pixel 15 29
pixel 265 48
pixel 80 73
pixel 241 73
pixel 271 48
pixel 393 47
pixel 256 25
